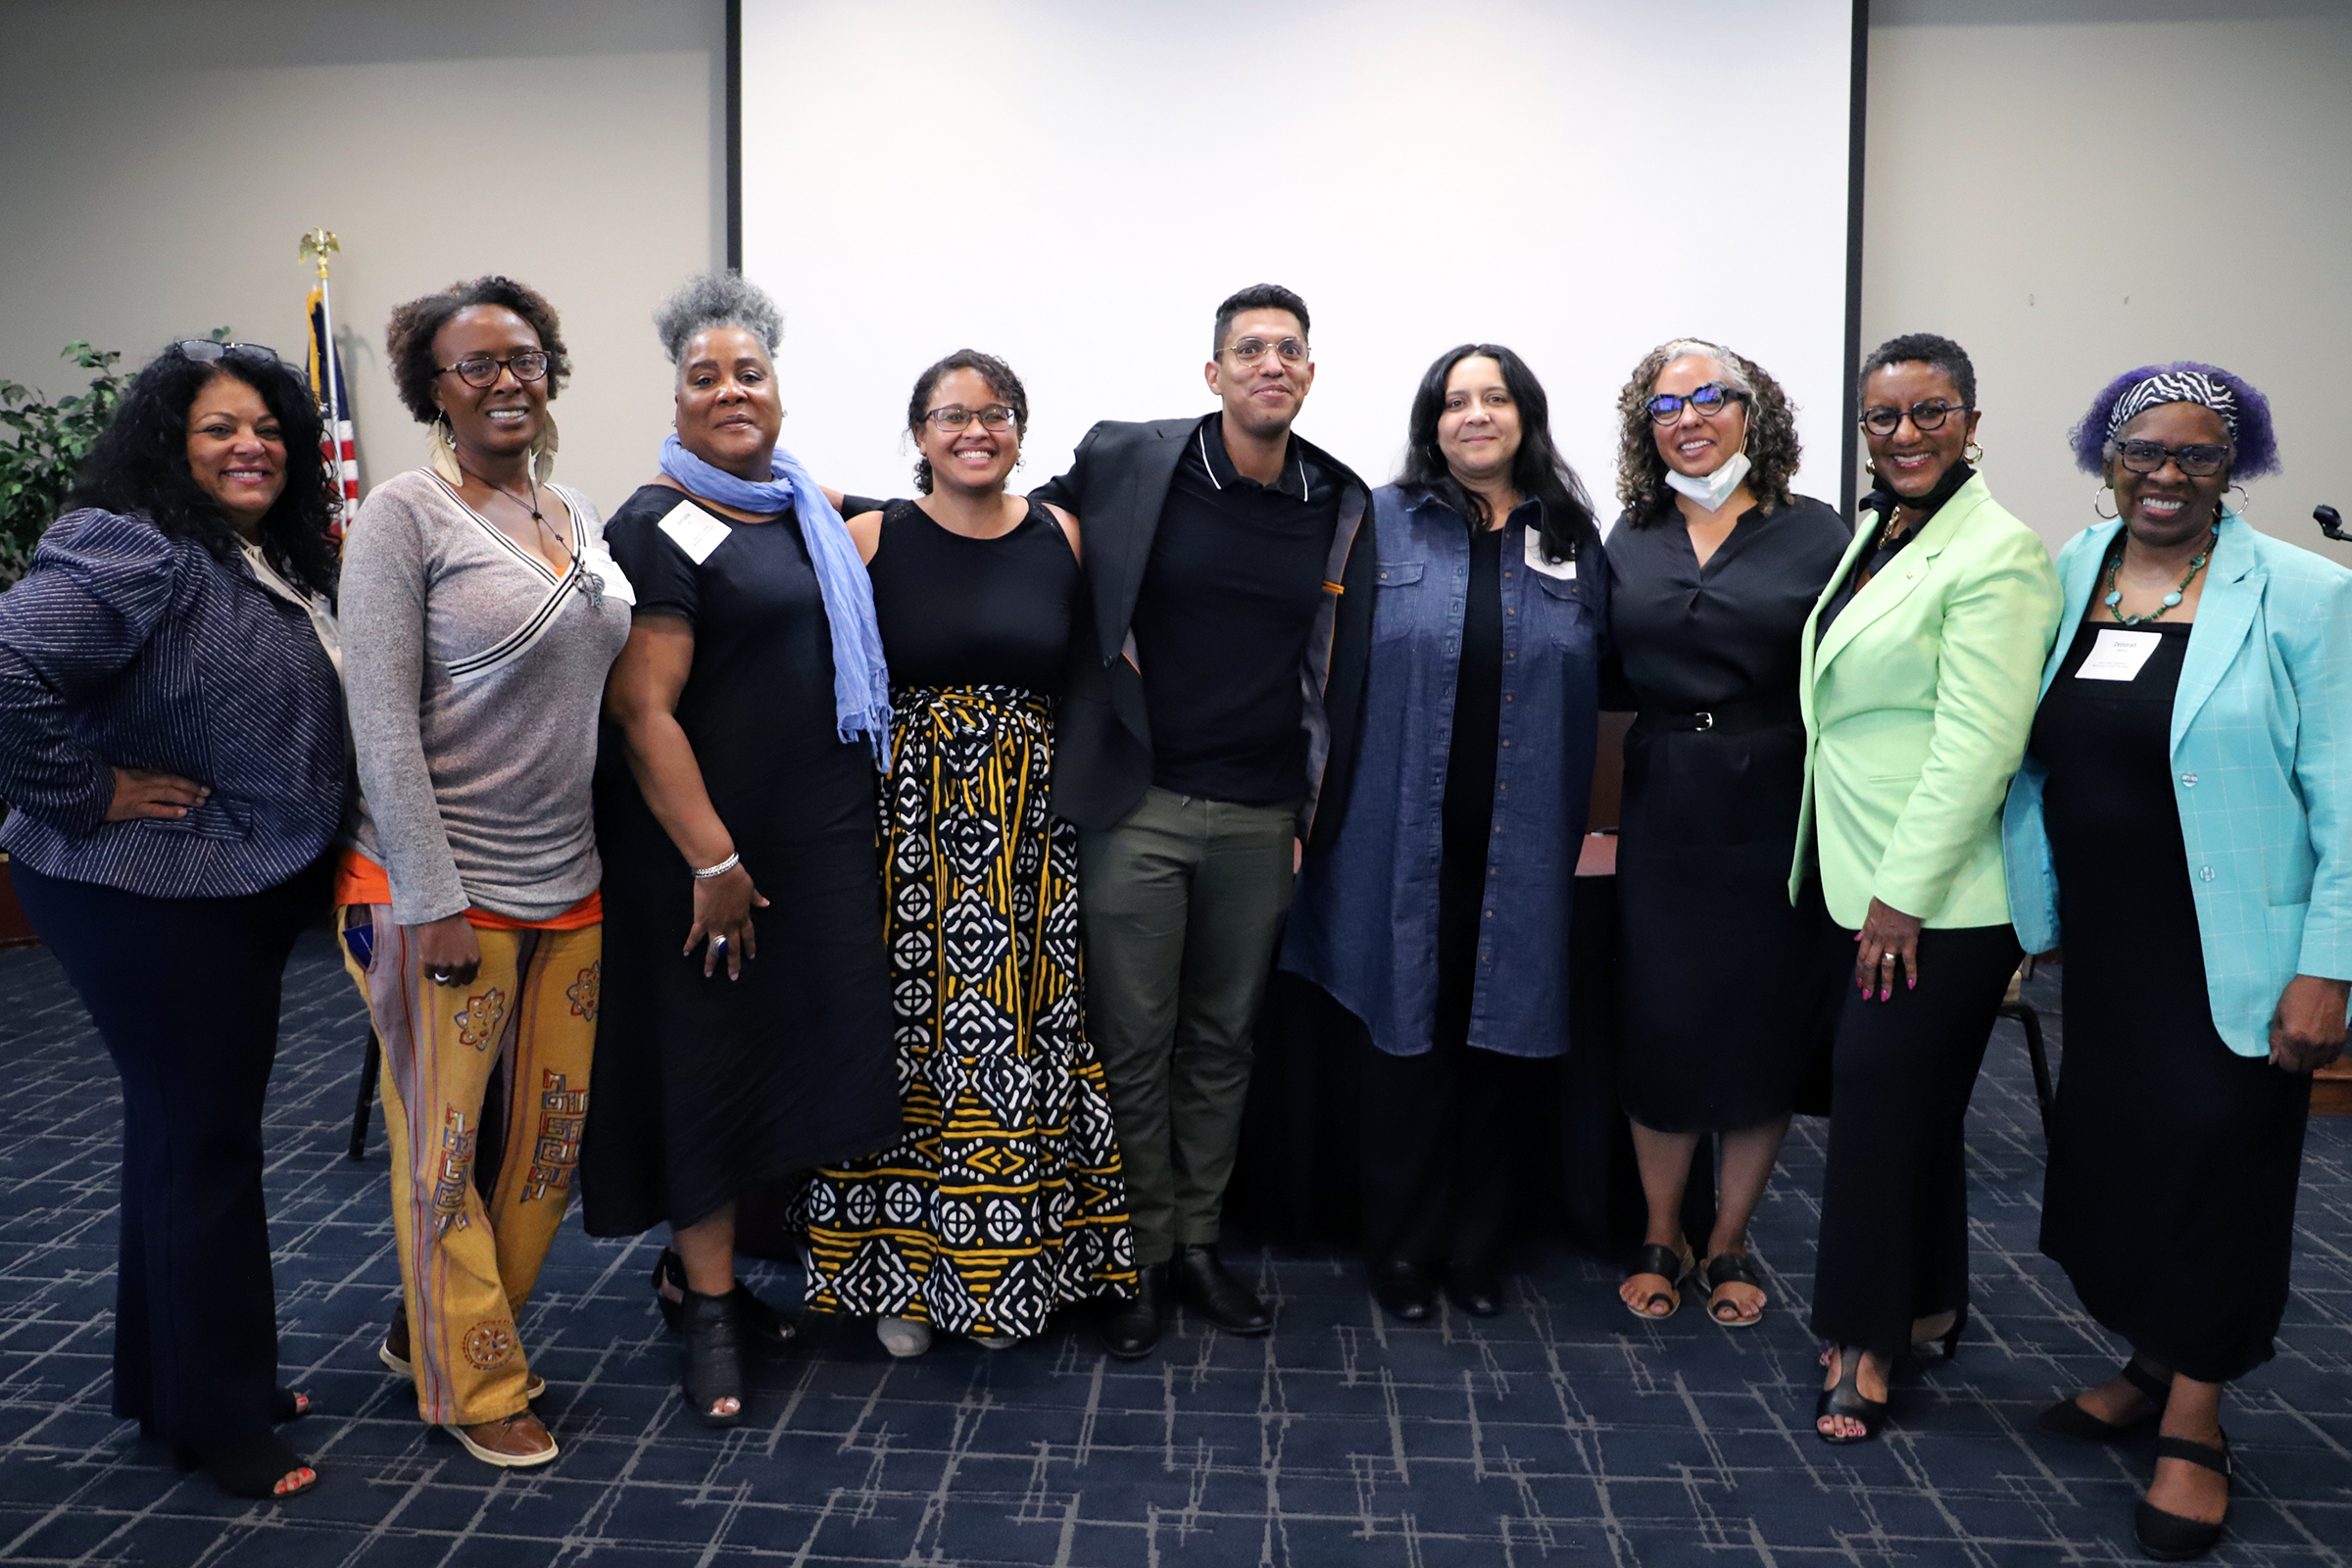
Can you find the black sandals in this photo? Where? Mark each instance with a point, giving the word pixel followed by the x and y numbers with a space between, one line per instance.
pixel 711 1367
pixel 2068 1419
pixel 759 1318
pixel 1667 1264
pixel 250 1466
pixel 2168 1537
pixel 1730 1268
pixel 1846 1399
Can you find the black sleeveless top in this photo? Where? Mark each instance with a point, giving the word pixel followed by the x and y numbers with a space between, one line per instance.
pixel 961 611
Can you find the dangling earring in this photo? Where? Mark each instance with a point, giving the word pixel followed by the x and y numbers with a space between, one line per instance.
pixel 443 451
pixel 2244 500
pixel 1973 452
pixel 543 453
pixel 2104 517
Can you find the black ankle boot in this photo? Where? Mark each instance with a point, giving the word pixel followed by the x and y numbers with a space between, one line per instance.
pixel 1131 1327
pixel 711 1367
pixel 1204 1285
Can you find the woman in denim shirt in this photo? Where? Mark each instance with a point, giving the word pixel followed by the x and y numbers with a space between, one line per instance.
pixel 1440 917
pixel 172 741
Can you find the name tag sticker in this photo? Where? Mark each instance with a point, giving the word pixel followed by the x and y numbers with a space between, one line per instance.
pixel 695 531
pixel 2118 654
pixel 616 581
pixel 1564 570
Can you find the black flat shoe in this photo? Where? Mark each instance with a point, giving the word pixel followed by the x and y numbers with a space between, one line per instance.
pixel 248 1467
pixel 759 1318
pixel 1405 1290
pixel 2067 1419
pixel 1846 1399
pixel 1475 1288
pixel 1131 1327
pixel 2168 1537
pixel 1667 1264
pixel 1202 1285
pixel 712 1366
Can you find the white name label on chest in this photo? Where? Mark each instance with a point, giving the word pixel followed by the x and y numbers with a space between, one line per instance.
pixel 2118 654
pixel 1565 570
pixel 695 531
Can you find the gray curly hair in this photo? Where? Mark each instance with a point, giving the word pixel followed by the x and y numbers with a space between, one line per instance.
pixel 716 299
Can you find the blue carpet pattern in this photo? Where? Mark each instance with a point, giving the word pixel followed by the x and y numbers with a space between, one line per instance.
pixel 1563 1432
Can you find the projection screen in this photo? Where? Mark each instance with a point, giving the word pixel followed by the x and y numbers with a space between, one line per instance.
pixel 1074 185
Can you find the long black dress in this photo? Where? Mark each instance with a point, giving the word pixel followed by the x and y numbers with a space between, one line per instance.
pixel 1726 999
pixel 1001 1199
pixel 708 1090
pixel 2170 1199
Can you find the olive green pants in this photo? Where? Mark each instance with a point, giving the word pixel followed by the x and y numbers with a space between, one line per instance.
pixel 1181 905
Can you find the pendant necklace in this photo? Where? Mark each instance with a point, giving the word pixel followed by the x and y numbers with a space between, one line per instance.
pixel 2115 596
pixel 591 583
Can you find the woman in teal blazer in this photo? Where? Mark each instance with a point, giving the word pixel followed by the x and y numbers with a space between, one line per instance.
pixel 1917 680
pixel 2182 823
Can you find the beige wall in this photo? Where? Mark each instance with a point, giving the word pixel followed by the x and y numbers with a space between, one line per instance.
pixel 159 160
pixel 2072 198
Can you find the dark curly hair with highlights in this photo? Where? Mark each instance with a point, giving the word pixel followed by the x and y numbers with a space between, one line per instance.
pixel 1001 381
pixel 139 465
pixel 1773 450
pixel 2256 441
pixel 409 335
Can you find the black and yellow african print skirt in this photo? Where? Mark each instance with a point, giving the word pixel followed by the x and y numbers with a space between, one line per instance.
pixel 1004 1199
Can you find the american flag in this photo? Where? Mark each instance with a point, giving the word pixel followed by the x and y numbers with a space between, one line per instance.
pixel 339 446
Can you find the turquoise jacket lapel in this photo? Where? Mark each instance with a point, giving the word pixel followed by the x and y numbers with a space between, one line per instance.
pixel 2226 613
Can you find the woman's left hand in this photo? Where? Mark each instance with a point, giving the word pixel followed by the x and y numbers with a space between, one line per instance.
pixel 1887 935
pixel 2307 1031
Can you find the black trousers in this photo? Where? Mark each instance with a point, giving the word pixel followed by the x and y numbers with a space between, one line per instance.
pixel 184 993
pixel 1894 1201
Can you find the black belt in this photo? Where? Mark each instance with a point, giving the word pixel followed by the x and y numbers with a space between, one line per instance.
pixel 1739 716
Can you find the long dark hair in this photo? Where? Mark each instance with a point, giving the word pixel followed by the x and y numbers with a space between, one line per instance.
pixel 1539 471
pixel 139 465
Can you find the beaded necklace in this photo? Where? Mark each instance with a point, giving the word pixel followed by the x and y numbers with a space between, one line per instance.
pixel 2115 595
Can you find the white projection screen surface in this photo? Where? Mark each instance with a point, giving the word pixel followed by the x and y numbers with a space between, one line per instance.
pixel 1075 184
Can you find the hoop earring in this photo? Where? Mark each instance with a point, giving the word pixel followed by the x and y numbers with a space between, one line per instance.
pixel 2104 517
pixel 1973 452
pixel 441 450
pixel 2245 499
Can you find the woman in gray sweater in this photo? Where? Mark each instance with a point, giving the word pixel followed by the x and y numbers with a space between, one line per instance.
pixel 480 614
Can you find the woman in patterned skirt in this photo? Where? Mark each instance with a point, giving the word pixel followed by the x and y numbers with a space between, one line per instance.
pixel 1002 1200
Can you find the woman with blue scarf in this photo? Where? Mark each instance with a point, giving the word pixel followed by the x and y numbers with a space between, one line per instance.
pixel 745 1030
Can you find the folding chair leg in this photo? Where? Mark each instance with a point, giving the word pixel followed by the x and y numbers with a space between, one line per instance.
pixel 370 1066
pixel 2031 1021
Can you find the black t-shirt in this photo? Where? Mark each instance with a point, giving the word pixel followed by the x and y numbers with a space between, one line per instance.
pixel 1223 620
pixel 961 611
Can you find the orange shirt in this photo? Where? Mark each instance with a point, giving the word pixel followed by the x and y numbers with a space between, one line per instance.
pixel 360 880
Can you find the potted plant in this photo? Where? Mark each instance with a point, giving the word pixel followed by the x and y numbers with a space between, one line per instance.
pixel 36 468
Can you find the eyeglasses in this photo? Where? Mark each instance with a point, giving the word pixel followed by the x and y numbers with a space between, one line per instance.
pixel 2198 461
pixel 955 417
pixel 1709 400
pixel 1250 350
pixel 480 370
pixel 1924 415
pixel 205 349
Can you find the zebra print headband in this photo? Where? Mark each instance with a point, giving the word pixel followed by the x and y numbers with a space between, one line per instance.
pixel 2174 386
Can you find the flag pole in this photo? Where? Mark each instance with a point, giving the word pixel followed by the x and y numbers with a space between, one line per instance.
pixel 314 248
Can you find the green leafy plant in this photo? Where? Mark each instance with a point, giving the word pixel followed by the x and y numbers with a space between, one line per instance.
pixel 51 441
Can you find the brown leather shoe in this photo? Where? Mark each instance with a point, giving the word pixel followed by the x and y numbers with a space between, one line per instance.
pixel 513 1442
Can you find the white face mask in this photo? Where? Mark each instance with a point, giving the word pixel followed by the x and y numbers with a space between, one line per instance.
pixel 1713 490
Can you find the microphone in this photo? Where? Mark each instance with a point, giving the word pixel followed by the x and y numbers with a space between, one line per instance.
pixel 2332 523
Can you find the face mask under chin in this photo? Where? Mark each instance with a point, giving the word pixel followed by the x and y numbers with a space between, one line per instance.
pixel 1712 490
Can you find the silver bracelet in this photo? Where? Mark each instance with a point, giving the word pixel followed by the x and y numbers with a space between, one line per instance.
pixel 720 869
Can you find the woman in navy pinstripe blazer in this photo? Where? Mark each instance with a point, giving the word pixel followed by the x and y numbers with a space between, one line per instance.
pixel 172 745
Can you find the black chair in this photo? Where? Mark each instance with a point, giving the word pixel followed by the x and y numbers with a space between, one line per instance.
pixel 372 1062
pixel 2015 1005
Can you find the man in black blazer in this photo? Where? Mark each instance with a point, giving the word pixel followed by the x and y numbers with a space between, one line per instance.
pixel 1204 746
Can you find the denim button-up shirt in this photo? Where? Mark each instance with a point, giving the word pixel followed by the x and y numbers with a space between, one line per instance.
pixel 1365 925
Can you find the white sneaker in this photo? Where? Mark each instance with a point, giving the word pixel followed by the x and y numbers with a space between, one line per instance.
pixel 902 1336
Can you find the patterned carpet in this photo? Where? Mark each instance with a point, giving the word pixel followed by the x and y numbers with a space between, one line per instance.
pixel 1561 1433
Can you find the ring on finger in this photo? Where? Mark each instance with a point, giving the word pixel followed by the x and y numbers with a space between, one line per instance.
pixel 1886 957
pixel 718 944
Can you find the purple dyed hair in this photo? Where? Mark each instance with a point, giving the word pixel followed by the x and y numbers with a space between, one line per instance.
pixel 2257 443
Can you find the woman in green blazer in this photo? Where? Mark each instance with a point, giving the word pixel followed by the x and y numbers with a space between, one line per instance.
pixel 1919 666
pixel 2183 819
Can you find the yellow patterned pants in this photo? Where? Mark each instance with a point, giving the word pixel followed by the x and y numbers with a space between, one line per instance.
pixel 467 1263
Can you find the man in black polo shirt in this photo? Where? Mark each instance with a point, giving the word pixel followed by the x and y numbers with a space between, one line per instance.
pixel 1204 746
